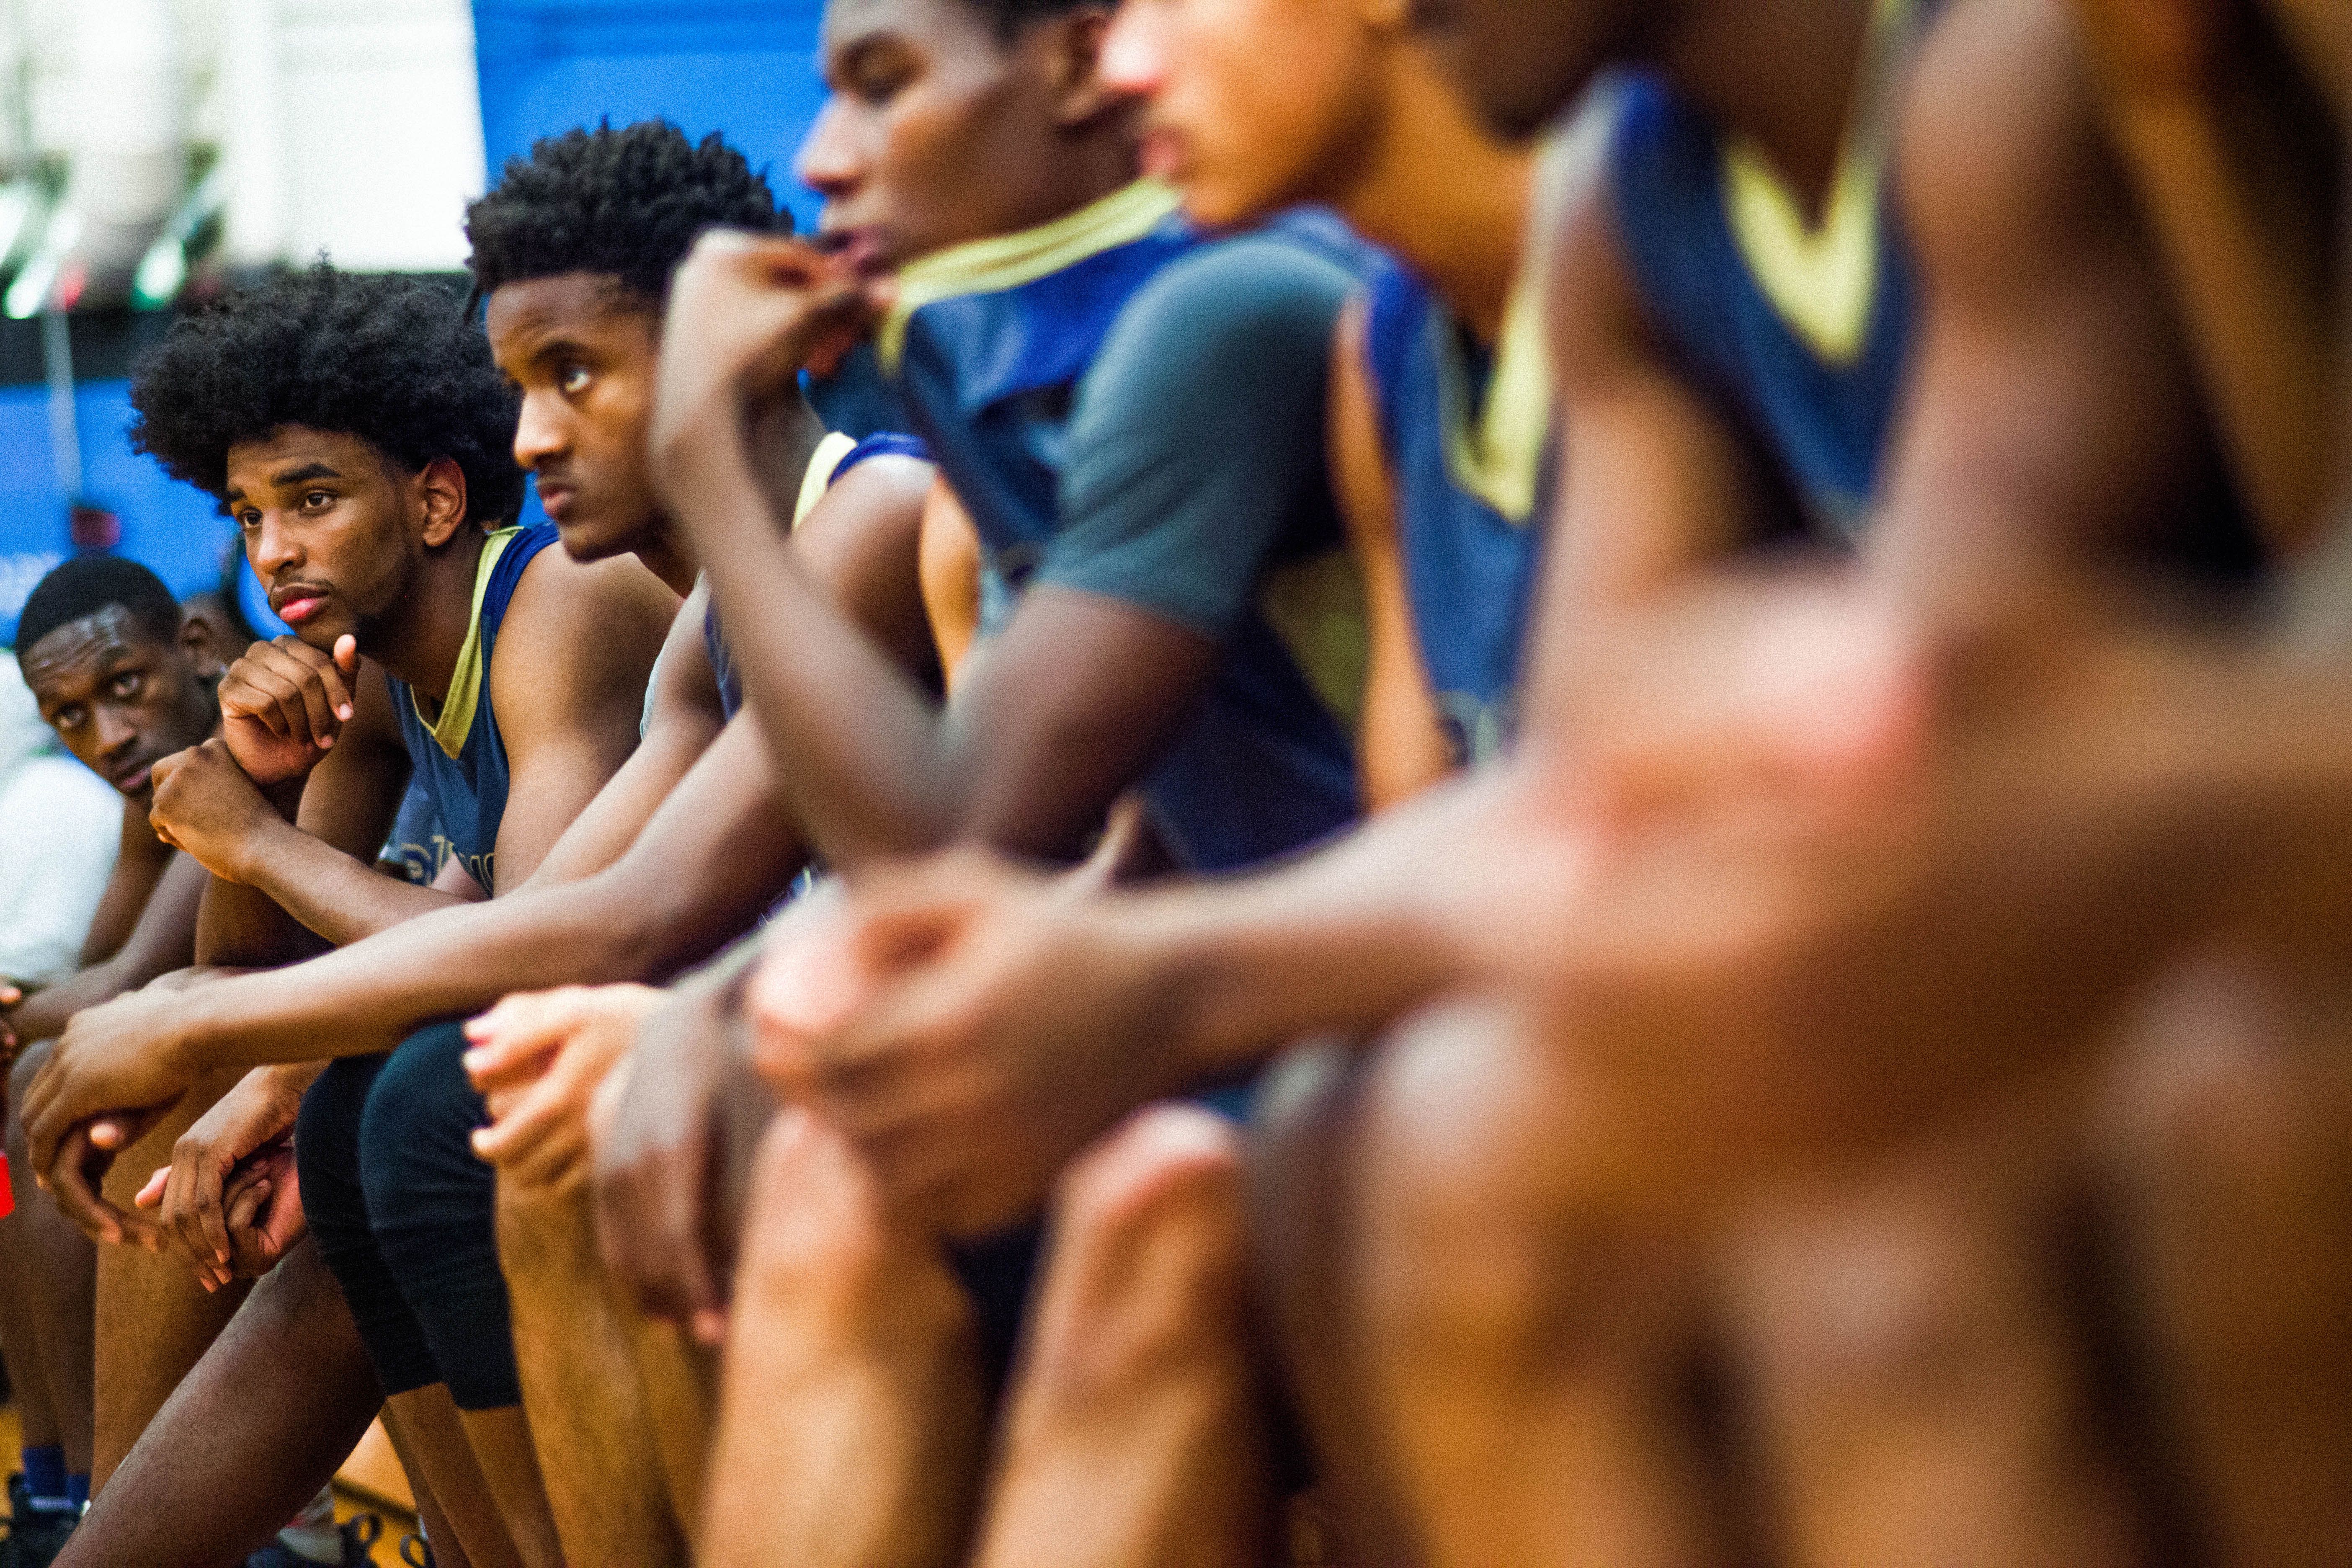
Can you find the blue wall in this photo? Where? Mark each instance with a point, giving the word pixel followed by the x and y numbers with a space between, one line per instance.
pixel 746 67
pixel 174 529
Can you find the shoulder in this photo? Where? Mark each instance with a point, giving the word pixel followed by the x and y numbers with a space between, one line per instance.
pixel 578 627
pixel 555 591
pixel 2000 141
pixel 1262 290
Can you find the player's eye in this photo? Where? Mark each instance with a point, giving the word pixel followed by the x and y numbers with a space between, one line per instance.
pixel 318 500
pixel 126 686
pixel 573 380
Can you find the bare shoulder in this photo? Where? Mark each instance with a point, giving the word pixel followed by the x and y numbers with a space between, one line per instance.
pixel 580 633
pixel 2003 163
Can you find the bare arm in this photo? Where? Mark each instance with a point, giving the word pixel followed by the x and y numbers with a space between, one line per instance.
pixel 1657 483
pixel 139 867
pixel 338 824
pixel 1400 745
pixel 713 854
pixel 683 722
pixel 2055 424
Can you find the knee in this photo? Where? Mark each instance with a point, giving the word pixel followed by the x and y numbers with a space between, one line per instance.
pixel 1147 1279
pixel 1417 1187
pixel 415 1128
pixel 819 1247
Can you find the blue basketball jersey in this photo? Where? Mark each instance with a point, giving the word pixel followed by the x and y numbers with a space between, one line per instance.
pixel 1804 332
pixel 1466 432
pixel 835 455
pixel 989 345
pixel 458 758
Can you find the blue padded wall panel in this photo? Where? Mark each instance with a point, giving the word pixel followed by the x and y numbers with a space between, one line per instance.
pixel 746 69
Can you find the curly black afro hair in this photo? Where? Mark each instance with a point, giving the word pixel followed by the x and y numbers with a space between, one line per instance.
pixel 393 360
pixel 627 204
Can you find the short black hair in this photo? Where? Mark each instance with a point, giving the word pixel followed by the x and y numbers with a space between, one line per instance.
pixel 626 203
pixel 390 360
pixel 89 583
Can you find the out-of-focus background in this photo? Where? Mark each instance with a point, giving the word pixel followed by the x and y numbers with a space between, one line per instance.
pixel 152 151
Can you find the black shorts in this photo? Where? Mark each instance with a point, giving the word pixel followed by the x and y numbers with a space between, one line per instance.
pixel 405 1216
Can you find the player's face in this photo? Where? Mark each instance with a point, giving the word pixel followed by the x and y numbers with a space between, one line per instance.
pixel 938 131
pixel 1520 62
pixel 333 529
pixel 119 699
pixel 583 353
pixel 1240 140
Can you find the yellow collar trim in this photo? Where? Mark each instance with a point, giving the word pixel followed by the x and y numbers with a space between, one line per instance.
pixel 1498 455
pixel 1824 282
pixel 1009 260
pixel 456 720
pixel 819 477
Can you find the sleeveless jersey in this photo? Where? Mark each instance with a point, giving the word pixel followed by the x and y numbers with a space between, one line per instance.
pixel 989 344
pixel 1803 332
pixel 1466 432
pixel 834 457
pixel 458 758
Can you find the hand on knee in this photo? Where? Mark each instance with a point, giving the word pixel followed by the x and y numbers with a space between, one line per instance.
pixel 538 1061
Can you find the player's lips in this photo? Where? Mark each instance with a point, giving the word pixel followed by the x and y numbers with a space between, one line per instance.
pixel 298 602
pixel 557 499
pixel 865 250
pixel 132 776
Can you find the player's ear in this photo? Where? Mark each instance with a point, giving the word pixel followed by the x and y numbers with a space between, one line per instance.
pixel 1074 43
pixel 205 640
pixel 441 488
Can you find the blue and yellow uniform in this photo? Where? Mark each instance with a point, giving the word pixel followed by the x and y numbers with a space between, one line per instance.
pixel 1802 331
pixel 1466 432
pixel 1088 388
pixel 401 1208
pixel 459 762
pixel 834 457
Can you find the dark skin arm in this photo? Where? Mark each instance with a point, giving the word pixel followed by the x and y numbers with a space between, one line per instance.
pixel 341 809
pixel 139 867
pixel 568 677
pixel 1045 727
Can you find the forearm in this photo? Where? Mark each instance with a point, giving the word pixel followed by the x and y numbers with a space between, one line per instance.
pixel 1341 942
pixel 329 892
pixel 640 920
pixel 859 747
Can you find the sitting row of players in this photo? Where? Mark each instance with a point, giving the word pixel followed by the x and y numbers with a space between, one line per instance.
pixel 1819 565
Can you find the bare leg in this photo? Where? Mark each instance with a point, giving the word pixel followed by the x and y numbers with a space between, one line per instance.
pixel 48 1299
pixel 2234 1155
pixel 1917 1371
pixel 589 1417
pixel 851 1426
pixel 1138 1432
pixel 436 1448
pixel 509 1463
pixel 153 1321
pixel 248 1437
pixel 1472 1344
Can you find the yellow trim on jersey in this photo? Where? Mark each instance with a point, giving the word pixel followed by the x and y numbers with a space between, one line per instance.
pixel 1498 455
pixel 450 731
pixel 1824 282
pixel 819 478
pixel 1316 606
pixel 1009 260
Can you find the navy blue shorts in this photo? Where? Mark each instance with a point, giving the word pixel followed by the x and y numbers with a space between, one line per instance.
pixel 405 1214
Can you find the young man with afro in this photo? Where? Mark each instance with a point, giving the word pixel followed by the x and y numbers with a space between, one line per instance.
pixel 688 845
pixel 359 434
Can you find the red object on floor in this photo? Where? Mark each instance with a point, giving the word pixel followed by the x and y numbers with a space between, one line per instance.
pixel 7 1191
